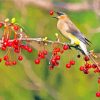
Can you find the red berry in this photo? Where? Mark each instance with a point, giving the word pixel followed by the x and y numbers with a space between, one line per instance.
pixel 15 46
pixel 0 59
pixel 29 50
pixel 15 41
pixel 5 57
pixel 57 49
pixel 14 62
pixel 81 68
pixel 45 52
pixel 10 63
pixel 86 58
pixel 42 56
pixel 3 48
pixel 57 63
pixel 57 57
pixel 87 65
pixel 17 50
pixel 98 81
pixel 37 61
pixel 25 47
pixel 53 61
pixel 16 28
pixel 22 46
pixel 51 67
pixel 68 65
pixel 51 12
pixel 7 63
pixel 6 40
pixel 39 54
pixel 97 94
pixel 85 71
pixel 72 62
pixel 94 66
pixel 9 44
pixel 96 70
pixel 65 47
pixel 1 24
pixel 20 58
pixel 5 44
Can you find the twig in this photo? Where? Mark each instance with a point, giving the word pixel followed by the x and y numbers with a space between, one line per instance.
pixel 45 42
pixel 52 42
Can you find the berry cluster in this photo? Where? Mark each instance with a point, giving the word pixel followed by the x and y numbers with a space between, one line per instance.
pixel 54 61
pixel 87 66
pixel 41 55
pixel 72 62
pixel 11 42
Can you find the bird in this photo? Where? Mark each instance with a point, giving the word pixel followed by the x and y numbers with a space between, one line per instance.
pixel 70 31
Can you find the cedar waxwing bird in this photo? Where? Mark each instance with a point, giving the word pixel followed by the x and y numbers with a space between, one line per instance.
pixel 70 31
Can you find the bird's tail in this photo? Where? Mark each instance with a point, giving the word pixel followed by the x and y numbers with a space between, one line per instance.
pixel 84 48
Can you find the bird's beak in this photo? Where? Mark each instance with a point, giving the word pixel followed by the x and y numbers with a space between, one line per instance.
pixel 56 17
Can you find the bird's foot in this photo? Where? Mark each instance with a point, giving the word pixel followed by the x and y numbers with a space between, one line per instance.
pixel 76 46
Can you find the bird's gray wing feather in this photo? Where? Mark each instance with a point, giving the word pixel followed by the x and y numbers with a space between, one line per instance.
pixel 76 32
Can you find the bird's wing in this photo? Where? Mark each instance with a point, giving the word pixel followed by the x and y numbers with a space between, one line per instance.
pixel 76 32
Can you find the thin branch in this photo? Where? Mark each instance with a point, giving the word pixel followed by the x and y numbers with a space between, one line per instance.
pixel 51 42
pixel 46 42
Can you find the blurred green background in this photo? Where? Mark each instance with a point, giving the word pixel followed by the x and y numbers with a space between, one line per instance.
pixel 27 81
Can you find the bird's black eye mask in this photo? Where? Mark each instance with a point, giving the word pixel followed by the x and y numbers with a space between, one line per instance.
pixel 59 13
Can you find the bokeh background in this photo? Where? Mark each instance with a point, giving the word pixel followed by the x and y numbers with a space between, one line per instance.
pixel 27 81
